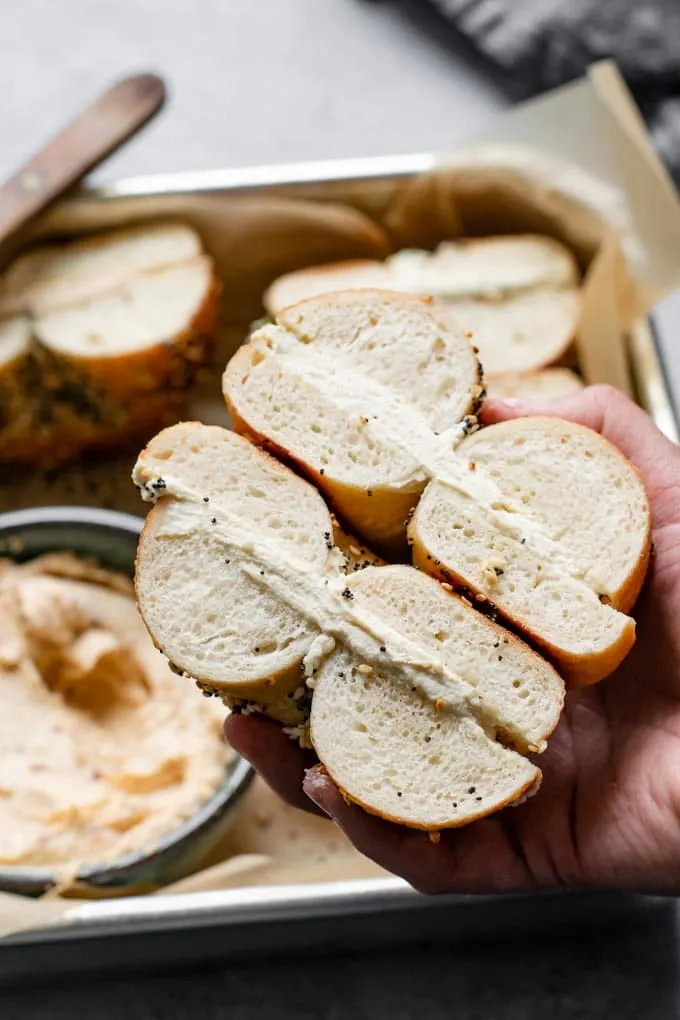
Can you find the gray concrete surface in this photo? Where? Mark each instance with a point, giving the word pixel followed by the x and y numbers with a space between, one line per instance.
pixel 254 81
pixel 251 81
pixel 261 81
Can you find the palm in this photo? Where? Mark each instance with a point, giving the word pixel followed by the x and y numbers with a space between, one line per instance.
pixel 608 812
pixel 610 809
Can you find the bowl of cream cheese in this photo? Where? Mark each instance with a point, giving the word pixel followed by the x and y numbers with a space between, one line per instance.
pixel 114 773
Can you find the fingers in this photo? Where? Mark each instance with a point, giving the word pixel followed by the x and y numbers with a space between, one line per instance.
pixel 280 761
pixel 479 858
pixel 623 423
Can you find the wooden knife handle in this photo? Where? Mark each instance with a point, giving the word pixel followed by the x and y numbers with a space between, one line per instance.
pixel 92 136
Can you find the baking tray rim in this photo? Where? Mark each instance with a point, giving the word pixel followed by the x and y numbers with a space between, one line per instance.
pixel 271 904
pixel 257 177
pixel 251 904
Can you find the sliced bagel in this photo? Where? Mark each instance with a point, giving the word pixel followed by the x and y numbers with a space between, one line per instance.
pixel 241 641
pixel 518 295
pixel 561 550
pixel 239 584
pixel 46 279
pixel 360 397
pixel 351 387
pixel 115 330
pixel 144 335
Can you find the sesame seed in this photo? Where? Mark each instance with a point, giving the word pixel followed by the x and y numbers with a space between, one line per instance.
pixel 365 669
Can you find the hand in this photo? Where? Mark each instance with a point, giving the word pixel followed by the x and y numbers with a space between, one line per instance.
pixel 608 811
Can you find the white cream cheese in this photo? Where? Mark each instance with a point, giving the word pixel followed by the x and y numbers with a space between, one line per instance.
pixel 398 423
pixel 323 599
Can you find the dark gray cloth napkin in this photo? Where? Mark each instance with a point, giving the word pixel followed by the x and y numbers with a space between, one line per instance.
pixel 545 43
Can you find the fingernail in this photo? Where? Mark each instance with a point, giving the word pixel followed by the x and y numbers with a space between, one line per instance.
pixel 314 785
pixel 310 782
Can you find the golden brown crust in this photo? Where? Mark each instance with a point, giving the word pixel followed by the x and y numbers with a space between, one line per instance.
pixel 66 406
pixel 521 794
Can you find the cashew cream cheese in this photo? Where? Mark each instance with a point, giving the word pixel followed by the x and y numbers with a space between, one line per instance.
pixel 103 749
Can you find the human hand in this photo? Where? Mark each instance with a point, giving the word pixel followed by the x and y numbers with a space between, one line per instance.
pixel 608 811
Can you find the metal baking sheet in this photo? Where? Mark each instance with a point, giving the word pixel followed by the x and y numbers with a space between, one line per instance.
pixel 153 930
pixel 213 927
pixel 368 184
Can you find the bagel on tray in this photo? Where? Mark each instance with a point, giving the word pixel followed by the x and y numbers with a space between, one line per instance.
pixel 519 295
pixel 100 339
